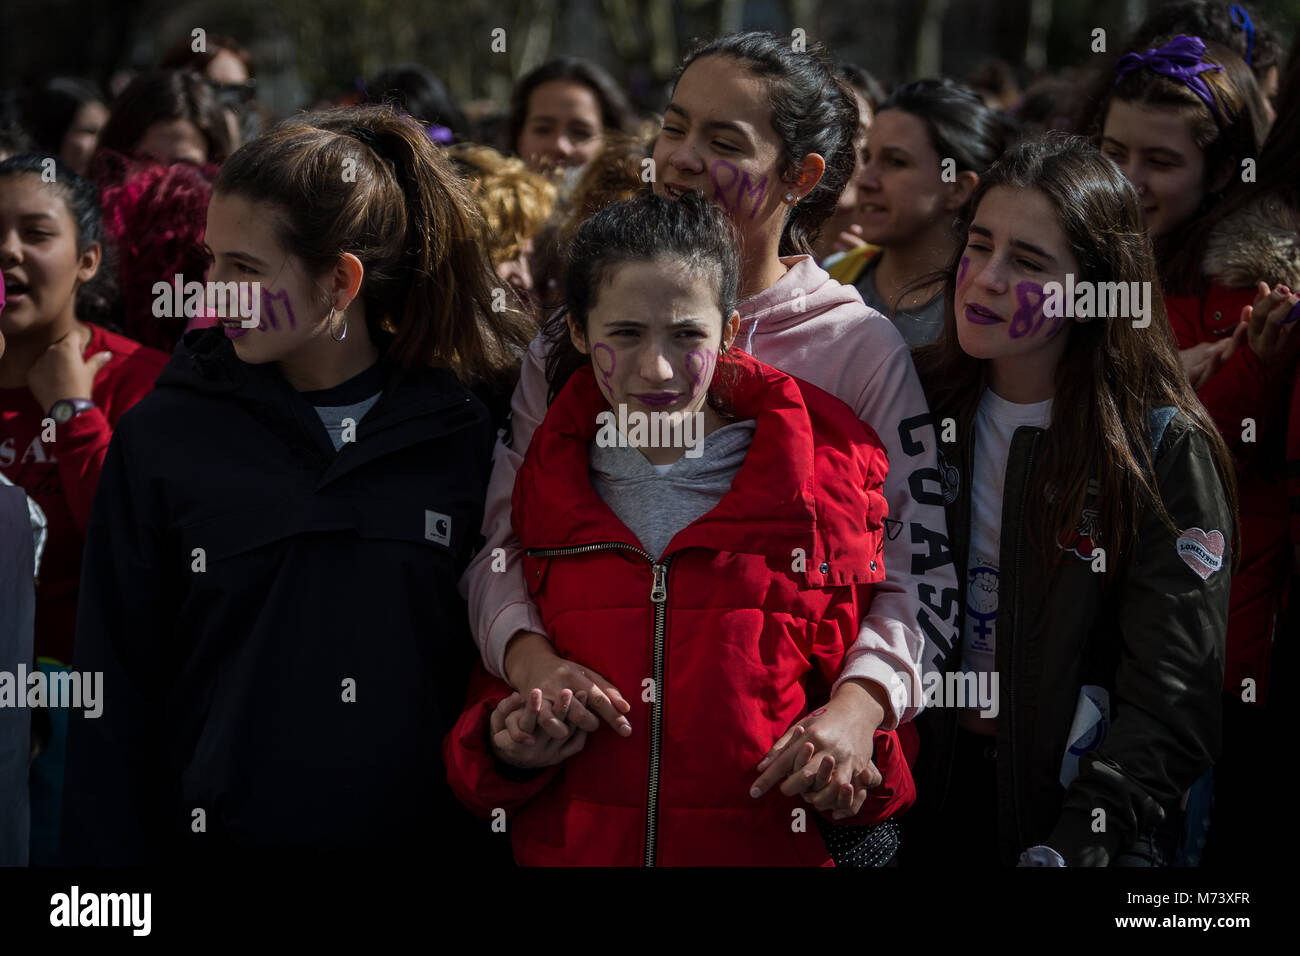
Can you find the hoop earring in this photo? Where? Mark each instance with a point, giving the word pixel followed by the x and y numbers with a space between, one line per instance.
pixel 330 320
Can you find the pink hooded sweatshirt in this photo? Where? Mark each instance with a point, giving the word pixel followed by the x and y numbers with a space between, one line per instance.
pixel 812 327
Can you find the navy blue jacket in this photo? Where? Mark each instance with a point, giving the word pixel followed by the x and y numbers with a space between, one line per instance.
pixel 241 580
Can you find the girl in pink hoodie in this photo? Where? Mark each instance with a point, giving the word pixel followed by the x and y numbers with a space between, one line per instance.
pixel 767 134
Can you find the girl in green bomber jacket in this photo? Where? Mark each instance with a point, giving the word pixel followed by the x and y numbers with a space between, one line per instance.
pixel 1092 514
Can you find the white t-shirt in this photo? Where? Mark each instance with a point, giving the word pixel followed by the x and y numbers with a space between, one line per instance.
pixel 995 422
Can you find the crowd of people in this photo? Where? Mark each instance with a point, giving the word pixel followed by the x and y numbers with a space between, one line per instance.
pixel 965 528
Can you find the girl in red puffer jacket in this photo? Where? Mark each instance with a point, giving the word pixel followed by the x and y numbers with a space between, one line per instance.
pixel 705 528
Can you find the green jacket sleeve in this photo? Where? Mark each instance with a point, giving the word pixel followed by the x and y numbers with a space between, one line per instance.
pixel 1166 706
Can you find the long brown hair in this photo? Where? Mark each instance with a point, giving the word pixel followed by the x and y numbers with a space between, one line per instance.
pixel 1111 374
pixel 367 181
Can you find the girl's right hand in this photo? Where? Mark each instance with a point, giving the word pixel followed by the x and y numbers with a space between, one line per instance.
pixel 513 740
pixel 531 662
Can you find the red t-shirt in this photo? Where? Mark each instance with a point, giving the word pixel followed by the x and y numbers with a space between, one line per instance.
pixel 61 475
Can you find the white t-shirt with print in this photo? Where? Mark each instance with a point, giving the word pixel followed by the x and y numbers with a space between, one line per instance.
pixel 996 421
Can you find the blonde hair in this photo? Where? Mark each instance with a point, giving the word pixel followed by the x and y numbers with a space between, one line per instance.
pixel 515 202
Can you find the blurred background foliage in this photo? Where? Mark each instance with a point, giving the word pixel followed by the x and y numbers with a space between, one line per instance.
pixel 308 50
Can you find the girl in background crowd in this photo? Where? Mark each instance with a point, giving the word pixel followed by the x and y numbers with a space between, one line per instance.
pixel 225 64
pixel 65 115
pixel 930 142
pixel 168 116
pixel 1236 279
pixel 707 531
pixel 841 232
pixel 515 204
pixel 1180 120
pixel 559 114
pixel 272 598
pixel 1091 505
pixel 766 133
pixel 64 385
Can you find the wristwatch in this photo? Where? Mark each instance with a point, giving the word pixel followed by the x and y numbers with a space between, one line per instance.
pixel 66 409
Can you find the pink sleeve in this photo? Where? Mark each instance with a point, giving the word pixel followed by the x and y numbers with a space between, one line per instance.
pixel 499 606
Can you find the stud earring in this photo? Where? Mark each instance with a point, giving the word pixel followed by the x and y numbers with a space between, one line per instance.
pixel 789 197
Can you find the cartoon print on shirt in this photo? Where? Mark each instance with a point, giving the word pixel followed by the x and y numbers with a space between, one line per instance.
pixel 1084 540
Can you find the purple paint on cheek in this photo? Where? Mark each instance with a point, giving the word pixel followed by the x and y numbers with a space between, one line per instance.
pixel 269 303
pixel 720 191
pixel 602 356
pixel 961 270
pixel 1029 298
pixel 758 191
pixel 699 366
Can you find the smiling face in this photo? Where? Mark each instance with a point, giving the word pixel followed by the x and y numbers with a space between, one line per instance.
pixel 240 237
pixel 38 256
pixel 717 139
pixel 901 193
pixel 1015 247
pixel 1155 151
pixel 563 126
pixel 653 335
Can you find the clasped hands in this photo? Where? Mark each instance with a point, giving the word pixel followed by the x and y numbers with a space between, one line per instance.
pixel 825 756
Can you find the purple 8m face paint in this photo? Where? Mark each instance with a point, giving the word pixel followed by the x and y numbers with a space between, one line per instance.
pixel 1029 299
pixel 269 301
pixel 961 270
pixel 699 365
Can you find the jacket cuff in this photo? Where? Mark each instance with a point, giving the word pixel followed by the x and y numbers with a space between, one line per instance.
pixel 1076 841
pixel 474 772
pixel 510 620
pixel 84 428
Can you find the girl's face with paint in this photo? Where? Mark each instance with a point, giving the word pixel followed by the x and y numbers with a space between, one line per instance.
pixel 1015 246
pixel 1155 151
pixel 653 334
pixel 38 255
pixel 294 307
pixel 900 187
pixel 717 139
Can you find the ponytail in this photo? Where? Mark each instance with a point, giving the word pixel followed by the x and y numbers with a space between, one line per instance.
pixel 369 182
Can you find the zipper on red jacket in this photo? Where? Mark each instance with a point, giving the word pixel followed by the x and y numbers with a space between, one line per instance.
pixel 659 598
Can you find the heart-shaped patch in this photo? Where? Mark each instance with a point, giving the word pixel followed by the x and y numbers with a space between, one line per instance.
pixel 1202 551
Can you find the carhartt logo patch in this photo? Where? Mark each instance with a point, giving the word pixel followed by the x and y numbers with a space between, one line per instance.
pixel 437 527
pixel 1202 551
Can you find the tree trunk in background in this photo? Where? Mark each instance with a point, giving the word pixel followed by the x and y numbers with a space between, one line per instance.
pixel 663 39
pixel 929 38
pixel 731 16
pixel 1040 22
pixel 533 28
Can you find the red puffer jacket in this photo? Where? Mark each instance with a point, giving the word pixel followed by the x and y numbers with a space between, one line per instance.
pixel 736 631
pixel 1261 241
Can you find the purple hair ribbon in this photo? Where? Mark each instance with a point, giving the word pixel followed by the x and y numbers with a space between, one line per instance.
pixel 1240 18
pixel 1179 59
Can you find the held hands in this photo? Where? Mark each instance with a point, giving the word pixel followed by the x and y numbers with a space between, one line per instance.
pixel 826 756
pixel 512 732
pixel 531 664
pixel 62 372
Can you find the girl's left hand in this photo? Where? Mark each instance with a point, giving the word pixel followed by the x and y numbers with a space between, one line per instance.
pixel 826 756
pixel 61 372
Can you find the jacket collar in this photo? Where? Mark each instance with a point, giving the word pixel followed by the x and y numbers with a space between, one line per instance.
pixel 796 489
